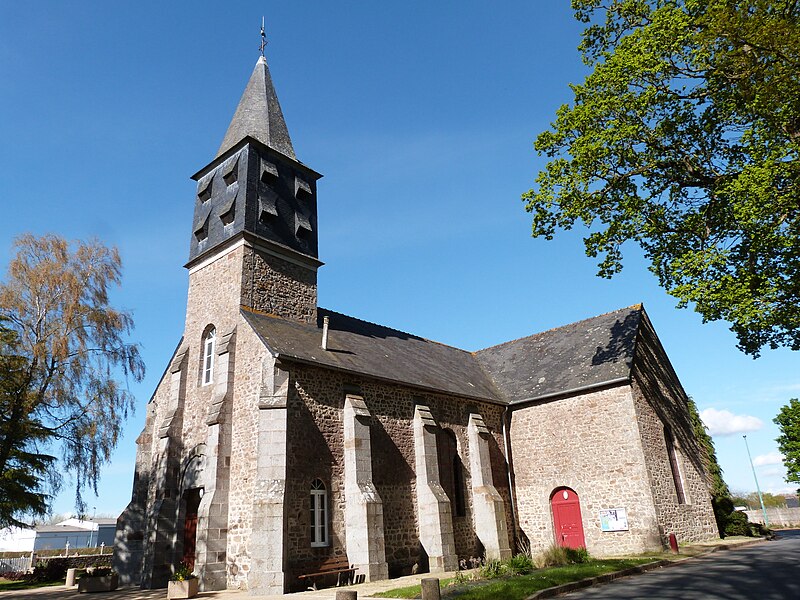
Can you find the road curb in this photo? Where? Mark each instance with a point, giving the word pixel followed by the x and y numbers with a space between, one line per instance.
pixel 590 581
pixel 658 564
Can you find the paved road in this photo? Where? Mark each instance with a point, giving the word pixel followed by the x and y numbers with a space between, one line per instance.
pixel 761 572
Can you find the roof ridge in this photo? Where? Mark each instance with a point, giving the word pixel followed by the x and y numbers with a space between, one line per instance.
pixel 638 306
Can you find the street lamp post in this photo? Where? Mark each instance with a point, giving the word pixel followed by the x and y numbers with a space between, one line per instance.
pixel 758 489
pixel 91 531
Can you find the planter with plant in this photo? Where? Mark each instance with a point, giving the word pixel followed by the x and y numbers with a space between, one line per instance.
pixel 183 583
pixel 98 579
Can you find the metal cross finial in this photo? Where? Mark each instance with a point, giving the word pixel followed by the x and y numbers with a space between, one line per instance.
pixel 263 38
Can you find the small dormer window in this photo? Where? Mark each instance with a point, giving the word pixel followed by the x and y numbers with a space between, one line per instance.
pixel 201 230
pixel 231 171
pixel 204 189
pixel 227 212
pixel 209 347
pixel 269 172
pixel 267 207
pixel 302 225
pixel 302 191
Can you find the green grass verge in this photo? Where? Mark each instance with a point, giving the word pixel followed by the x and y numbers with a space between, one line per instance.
pixel 10 586
pixel 520 587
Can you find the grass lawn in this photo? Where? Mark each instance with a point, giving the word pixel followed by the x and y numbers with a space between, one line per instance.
pixel 7 585
pixel 520 587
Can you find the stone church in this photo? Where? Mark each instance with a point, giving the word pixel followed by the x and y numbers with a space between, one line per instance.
pixel 283 434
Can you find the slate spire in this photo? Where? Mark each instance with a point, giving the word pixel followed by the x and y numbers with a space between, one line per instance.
pixel 259 115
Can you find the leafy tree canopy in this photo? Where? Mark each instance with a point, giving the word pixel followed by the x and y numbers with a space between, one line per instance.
pixel 716 483
pixel 788 421
pixel 752 501
pixel 63 363
pixel 684 140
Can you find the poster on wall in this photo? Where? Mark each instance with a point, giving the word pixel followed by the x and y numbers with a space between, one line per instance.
pixel 614 519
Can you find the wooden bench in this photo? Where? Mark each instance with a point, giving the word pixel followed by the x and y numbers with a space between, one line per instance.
pixel 334 565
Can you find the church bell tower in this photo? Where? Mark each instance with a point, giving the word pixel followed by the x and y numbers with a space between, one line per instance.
pixel 256 194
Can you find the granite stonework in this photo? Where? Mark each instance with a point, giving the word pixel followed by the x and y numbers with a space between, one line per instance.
pixel 589 443
pixel 661 402
pixel 417 448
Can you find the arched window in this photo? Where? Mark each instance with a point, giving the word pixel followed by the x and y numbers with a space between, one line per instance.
pixel 319 514
pixel 674 466
pixel 451 471
pixel 209 346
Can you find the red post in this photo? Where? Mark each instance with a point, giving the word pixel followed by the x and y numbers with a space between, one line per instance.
pixel 673 543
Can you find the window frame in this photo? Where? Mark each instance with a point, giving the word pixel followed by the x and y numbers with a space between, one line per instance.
pixel 675 467
pixel 319 514
pixel 207 356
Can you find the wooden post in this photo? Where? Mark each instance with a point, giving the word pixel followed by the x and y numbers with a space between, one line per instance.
pixel 346 595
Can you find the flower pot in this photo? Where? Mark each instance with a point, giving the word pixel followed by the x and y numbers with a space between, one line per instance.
pixel 183 589
pixel 106 583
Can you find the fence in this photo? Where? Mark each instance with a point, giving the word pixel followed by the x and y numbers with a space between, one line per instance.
pixel 86 557
pixel 16 565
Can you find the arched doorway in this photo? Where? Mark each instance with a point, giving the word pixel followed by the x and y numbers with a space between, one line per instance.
pixel 192 498
pixel 567 524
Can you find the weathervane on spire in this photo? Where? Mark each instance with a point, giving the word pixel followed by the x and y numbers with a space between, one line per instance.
pixel 263 38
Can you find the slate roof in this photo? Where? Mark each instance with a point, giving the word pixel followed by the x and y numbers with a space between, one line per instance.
pixel 60 529
pixel 259 115
pixel 588 353
pixel 360 347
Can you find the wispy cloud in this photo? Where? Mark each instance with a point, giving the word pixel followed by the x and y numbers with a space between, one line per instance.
pixel 723 422
pixel 771 458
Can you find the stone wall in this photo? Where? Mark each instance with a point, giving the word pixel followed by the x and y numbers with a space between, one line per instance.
pixel 315 438
pixel 252 361
pixel 279 287
pixel 591 444
pixel 660 401
pixel 778 517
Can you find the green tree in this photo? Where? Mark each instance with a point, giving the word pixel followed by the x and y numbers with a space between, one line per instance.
pixel 721 500
pixel 684 140
pixel 63 364
pixel 752 501
pixel 23 478
pixel 788 421
pixel 716 484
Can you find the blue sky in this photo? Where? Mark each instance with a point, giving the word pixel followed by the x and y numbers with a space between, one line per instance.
pixel 421 116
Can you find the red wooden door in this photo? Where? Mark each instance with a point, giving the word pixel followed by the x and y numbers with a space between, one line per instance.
pixel 190 527
pixel 567 518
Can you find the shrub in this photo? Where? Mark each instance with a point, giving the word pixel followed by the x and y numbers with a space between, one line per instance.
pixel 54 569
pixel 182 573
pixel 97 572
pixel 554 556
pixel 577 555
pixel 737 524
pixel 492 569
pixel 520 564
pixel 558 556
pixel 13 575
